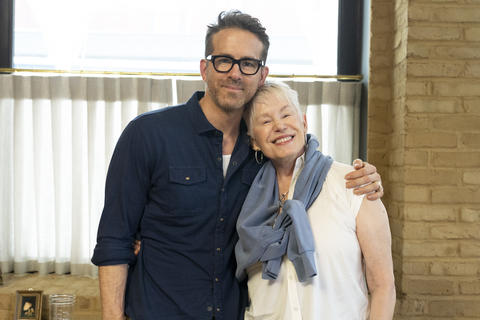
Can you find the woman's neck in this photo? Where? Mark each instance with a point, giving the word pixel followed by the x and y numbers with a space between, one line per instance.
pixel 284 176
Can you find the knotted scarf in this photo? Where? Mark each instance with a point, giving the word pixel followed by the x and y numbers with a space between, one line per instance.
pixel 265 235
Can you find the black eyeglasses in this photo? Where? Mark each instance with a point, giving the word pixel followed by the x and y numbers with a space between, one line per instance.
pixel 224 64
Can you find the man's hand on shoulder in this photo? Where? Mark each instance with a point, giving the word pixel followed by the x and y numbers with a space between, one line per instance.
pixel 365 180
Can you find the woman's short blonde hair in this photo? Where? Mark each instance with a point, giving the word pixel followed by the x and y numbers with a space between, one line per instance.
pixel 270 88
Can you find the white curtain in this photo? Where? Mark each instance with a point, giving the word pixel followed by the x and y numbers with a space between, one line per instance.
pixel 58 133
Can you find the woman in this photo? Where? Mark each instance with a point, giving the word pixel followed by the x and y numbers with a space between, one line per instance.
pixel 308 245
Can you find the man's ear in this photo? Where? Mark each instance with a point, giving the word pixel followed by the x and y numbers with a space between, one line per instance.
pixel 263 74
pixel 203 69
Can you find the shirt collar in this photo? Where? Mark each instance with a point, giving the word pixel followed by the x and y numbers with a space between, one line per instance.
pixel 299 164
pixel 198 119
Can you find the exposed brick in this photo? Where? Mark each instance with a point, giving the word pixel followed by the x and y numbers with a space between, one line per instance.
pixel 459 231
pixel 470 140
pixel 458 123
pixel 418 50
pixel 417 194
pixel 454 52
pixel 455 268
pixel 419 13
pixel 379 127
pixel 382 10
pixel 416 231
pixel 470 249
pixel 470 214
pixel 456 88
pixel 430 213
pixel 472 34
pixel 418 88
pixel 382 27
pixel 417 123
pixel 411 307
pixel 431 139
pixel 381 93
pixel 429 286
pixel 450 308
pixel 435 33
pixel 416 158
pixel 456 159
pixel 396 158
pixel 472 69
pixel 456 14
pixel 430 176
pixel 471 177
pixel 470 287
pixel 456 195
pixel 416 267
pixel 429 249
pixel 472 105
pixel 432 105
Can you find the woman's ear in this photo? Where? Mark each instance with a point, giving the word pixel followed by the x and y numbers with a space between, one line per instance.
pixel 255 146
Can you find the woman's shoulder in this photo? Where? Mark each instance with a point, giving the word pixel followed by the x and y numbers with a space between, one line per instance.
pixel 335 184
pixel 338 171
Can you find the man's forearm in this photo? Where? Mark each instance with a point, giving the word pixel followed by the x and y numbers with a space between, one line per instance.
pixel 113 280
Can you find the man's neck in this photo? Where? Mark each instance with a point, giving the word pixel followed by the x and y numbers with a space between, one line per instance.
pixel 227 122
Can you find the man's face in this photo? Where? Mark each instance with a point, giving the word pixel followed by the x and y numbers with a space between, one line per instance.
pixel 232 90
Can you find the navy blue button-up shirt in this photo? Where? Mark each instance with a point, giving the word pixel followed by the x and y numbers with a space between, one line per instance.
pixel 165 185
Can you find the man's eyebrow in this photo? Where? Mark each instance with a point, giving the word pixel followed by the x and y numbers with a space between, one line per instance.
pixel 230 56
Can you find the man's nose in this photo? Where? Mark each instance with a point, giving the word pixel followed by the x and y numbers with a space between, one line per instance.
pixel 235 71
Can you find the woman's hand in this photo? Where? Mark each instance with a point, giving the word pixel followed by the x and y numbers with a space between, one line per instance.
pixel 365 180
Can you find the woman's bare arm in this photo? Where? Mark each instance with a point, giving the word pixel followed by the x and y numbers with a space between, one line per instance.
pixel 374 236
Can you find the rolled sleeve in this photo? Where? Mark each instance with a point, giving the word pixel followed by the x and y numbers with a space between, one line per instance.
pixel 126 193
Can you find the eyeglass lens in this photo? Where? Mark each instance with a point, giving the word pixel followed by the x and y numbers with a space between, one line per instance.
pixel 225 64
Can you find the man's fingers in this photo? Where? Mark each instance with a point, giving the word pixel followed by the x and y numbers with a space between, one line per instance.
pixel 375 187
pixel 366 170
pixel 376 195
pixel 363 180
pixel 358 163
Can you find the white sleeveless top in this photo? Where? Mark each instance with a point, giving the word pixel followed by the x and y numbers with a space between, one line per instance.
pixel 339 290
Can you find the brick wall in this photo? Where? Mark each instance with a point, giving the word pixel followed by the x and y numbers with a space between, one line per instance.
pixel 424 136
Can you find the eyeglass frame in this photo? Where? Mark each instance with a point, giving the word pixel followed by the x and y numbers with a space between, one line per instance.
pixel 212 58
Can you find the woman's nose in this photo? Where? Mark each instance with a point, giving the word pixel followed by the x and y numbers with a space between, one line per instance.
pixel 279 125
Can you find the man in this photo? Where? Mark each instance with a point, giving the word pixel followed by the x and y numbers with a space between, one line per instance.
pixel 177 180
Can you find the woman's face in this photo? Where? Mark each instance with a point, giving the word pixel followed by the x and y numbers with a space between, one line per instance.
pixel 278 129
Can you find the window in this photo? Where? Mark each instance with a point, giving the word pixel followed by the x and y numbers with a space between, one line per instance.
pixel 166 36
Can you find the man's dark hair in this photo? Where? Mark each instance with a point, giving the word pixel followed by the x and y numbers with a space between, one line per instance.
pixel 240 20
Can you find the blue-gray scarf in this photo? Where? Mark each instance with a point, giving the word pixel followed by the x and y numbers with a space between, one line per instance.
pixel 291 232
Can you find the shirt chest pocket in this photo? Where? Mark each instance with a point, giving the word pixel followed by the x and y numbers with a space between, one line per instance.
pixel 186 189
pixel 187 176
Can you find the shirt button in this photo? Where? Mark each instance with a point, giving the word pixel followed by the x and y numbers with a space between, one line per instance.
pixel 218 309
pixel 209 308
pixel 221 219
pixel 223 189
pixel 218 249
pixel 216 280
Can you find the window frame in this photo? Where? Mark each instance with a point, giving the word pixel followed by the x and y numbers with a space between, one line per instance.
pixel 6 33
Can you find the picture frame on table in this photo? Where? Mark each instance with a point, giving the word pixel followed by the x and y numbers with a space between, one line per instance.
pixel 28 305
